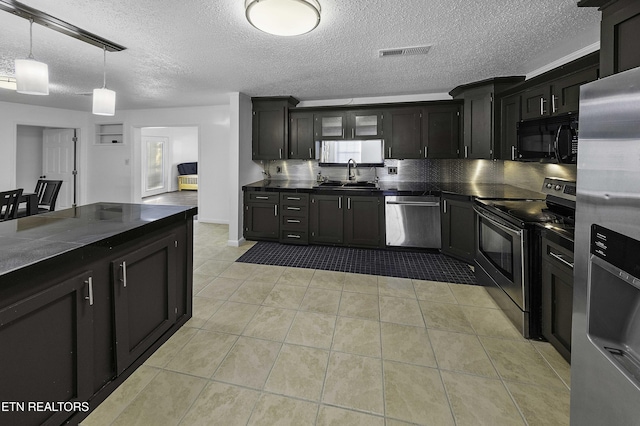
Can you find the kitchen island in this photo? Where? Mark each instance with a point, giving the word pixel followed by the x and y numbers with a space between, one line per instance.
pixel 87 294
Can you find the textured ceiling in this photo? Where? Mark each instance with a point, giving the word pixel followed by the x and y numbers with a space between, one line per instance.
pixel 194 52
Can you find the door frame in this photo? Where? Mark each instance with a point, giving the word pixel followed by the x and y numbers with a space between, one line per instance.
pixel 166 161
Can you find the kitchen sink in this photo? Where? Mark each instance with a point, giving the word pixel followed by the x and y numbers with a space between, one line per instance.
pixel 334 184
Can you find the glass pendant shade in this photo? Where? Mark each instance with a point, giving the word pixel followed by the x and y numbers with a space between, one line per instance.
pixel 104 102
pixel 283 17
pixel 32 77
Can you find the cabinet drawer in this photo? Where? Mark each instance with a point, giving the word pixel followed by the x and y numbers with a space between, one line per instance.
pixel 294 237
pixel 300 211
pixel 262 197
pixel 294 199
pixel 294 223
pixel 557 255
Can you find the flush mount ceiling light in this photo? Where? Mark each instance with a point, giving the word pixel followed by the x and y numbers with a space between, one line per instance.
pixel 104 100
pixel 8 82
pixel 283 17
pixel 32 77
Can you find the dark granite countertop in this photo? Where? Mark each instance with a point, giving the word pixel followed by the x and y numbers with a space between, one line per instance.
pixel 32 239
pixel 465 189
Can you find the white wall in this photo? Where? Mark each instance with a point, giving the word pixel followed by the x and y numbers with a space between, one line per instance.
pixel 29 142
pixel 245 170
pixel 12 115
pixel 124 161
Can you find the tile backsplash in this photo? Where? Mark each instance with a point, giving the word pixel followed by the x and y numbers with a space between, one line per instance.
pixel 524 175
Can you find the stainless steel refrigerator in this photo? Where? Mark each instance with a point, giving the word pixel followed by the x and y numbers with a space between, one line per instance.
pixel 605 351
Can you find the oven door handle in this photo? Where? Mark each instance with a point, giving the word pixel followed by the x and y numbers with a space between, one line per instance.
pixel 505 228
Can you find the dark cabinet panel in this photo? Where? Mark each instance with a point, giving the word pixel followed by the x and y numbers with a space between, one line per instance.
pixel 458 228
pixel 510 116
pixel 301 141
pixel 326 219
pixel 441 131
pixel 565 92
pixel 557 296
pixel 363 219
pixel 620 32
pixel 261 221
pixel 271 127
pixel 330 125
pixel 402 133
pixel 535 102
pixel 47 350
pixel 478 124
pixel 144 289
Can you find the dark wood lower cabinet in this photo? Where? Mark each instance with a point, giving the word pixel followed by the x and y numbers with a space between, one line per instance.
pixel 144 294
pixel 557 295
pixel 363 219
pixel 47 351
pixel 350 220
pixel 72 329
pixel 262 215
pixel 326 219
pixel 458 228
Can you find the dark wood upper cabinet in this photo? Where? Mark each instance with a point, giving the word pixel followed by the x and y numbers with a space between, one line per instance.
pixel 535 102
pixel 271 127
pixel 301 141
pixel 402 129
pixel 481 139
pixel 332 125
pixel 565 92
pixel 619 34
pixel 509 118
pixel 441 131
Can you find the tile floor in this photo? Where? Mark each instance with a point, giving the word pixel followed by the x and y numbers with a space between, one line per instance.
pixel 273 345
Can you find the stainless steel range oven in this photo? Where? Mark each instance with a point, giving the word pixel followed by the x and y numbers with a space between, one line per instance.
pixel 508 253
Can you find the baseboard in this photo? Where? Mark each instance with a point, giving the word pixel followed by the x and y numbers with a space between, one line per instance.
pixel 236 243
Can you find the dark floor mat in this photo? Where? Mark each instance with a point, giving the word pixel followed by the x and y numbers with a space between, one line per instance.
pixel 402 264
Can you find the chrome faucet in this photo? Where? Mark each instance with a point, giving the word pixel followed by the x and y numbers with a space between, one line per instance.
pixel 351 160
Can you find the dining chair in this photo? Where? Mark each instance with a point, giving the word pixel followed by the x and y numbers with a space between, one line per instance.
pixel 47 191
pixel 9 201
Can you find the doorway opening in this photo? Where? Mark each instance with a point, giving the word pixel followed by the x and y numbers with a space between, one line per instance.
pixel 48 153
pixel 163 149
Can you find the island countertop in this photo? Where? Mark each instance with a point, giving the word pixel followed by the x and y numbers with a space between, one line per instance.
pixel 29 240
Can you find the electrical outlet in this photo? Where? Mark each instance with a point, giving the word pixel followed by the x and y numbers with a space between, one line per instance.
pixel 278 169
pixel 392 170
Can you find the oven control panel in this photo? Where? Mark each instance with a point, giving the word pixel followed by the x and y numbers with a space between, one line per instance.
pixel 561 188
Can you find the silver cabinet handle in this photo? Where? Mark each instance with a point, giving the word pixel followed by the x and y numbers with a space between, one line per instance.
pixel 89 282
pixel 260 197
pixel 444 206
pixel 559 257
pixel 389 152
pixel 426 149
pixel 123 266
pixel 513 152
pixel 294 208
pixel 293 198
pixel 348 203
pixel 293 236
pixel 353 133
pixel 293 221
pixel 542 102
pixel 466 151
pixel 553 104
pixel 275 210
pixel 280 152
pixel 339 202
pixel 310 153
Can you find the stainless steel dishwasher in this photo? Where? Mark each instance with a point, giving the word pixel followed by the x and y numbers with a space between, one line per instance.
pixel 412 221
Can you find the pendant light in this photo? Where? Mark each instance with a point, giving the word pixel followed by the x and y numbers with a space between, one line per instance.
pixel 104 100
pixel 32 77
pixel 283 17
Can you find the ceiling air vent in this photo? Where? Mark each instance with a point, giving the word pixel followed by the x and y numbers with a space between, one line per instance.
pixel 402 51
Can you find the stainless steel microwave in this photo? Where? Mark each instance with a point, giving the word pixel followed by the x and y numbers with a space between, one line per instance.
pixel 551 139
